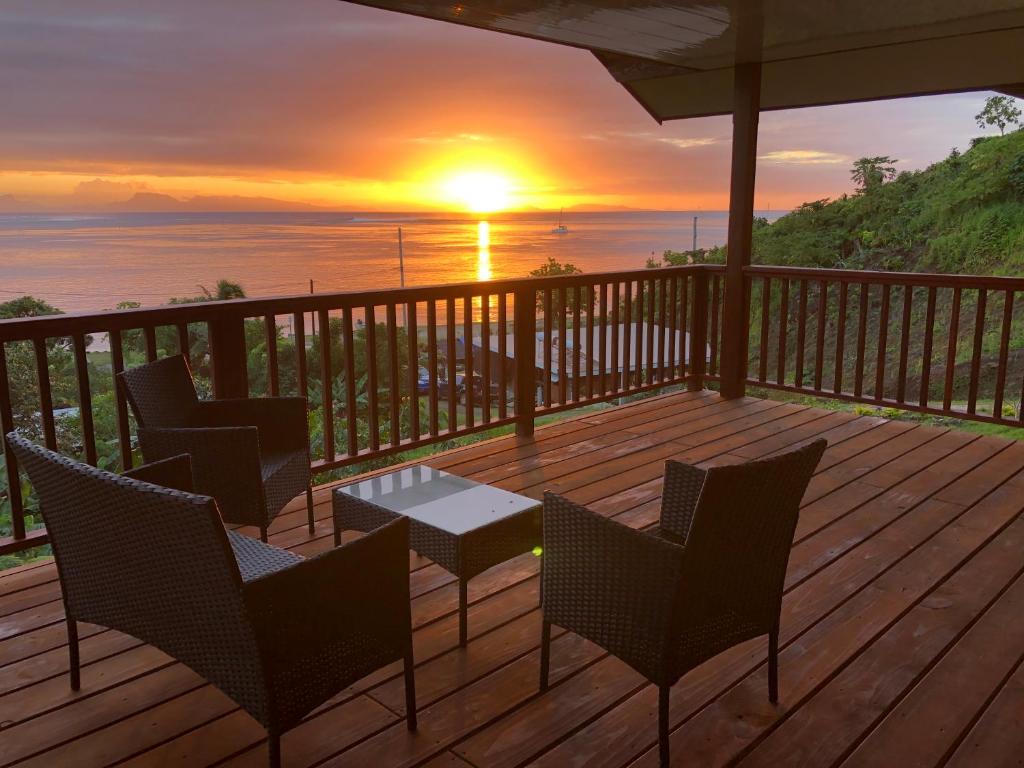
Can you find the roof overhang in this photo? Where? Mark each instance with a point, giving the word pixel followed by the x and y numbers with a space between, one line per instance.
pixel 677 59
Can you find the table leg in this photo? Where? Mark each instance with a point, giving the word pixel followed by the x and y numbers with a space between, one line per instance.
pixel 463 630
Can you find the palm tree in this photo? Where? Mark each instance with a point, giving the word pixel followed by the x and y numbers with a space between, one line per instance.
pixel 870 172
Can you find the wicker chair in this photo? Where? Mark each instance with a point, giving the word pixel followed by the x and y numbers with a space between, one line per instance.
pixel 709 578
pixel 251 455
pixel 277 633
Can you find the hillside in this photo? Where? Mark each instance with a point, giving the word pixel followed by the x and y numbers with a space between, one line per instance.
pixel 964 214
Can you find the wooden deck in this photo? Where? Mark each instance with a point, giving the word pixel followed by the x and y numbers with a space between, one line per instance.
pixel 902 628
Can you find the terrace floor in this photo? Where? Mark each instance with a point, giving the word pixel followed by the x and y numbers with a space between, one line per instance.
pixel 902 628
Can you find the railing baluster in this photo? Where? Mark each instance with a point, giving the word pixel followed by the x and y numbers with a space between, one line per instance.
pixel 591 339
pixel 669 331
pixel 1004 353
pixel 467 324
pixel 413 344
pixel 525 353
pixel 766 314
pixel 150 334
pixel 10 460
pixel 301 371
pixel 453 411
pixel 394 382
pixel 652 297
pixel 682 347
pixel 602 340
pixel 563 379
pixel 780 375
pixel 326 388
pixel 503 353
pixel 819 343
pixel 45 393
pixel 485 357
pixel 926 352
pixel 844 290
pixel 715 290
pixel 614 367
pixel 979 337
pixel 432 367
pixel 124 437
pixel 801 334
pixel 862 331
pixel 373 416
pixel 577 340
pixel 85 400
pixel 954 332
pixel 638 339
pixel 908 301
pixel 183 342
pixel 546 354
pixel 627 334
pixel 699 337
pixel 351 406
pixel 274 375
pixel 883 344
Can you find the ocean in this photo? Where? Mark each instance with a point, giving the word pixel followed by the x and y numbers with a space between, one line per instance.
pixel 94 261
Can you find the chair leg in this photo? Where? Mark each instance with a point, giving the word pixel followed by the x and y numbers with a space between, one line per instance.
pixel 74 665
pixel 545 653
pixel 463 612
pixel 410 692
pixel 263 534
pixel 773 666
pixel 274 749
pixel 663 699
pixel 309 507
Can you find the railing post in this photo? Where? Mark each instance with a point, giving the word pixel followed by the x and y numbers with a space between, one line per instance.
pixel 525 355
pixel 227 356
pixel 698 331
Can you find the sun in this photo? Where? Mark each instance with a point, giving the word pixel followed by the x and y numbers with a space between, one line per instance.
pixel 480 191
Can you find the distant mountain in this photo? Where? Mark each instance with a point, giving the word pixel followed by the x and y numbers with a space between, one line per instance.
pixel 153 202
pixel 598 208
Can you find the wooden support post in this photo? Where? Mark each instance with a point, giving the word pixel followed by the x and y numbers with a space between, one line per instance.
pixel 525 355
pixel 746 106
pixel 227 356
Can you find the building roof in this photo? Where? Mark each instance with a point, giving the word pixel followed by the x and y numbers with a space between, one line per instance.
pixel 677 58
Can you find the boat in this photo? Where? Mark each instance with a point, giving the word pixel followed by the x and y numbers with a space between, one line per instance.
pixel 561 229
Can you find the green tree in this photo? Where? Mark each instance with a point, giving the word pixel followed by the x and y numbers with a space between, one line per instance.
pixel 553 268
pixel 869 173
pixel 1000 111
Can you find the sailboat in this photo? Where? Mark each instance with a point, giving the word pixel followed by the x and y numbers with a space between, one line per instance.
pixel 561 229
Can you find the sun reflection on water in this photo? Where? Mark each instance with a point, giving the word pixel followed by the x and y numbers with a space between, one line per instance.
pixel 483 247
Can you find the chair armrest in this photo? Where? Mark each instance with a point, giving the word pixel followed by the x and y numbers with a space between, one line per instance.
pixel 360 590
pixel 282 421
pixel 225 464
pixel 612 584
pixel 175 472
pixel 679 495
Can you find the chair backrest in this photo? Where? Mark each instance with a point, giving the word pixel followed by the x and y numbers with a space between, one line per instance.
pixel 150 561
pixel 161 393
pixel 742 531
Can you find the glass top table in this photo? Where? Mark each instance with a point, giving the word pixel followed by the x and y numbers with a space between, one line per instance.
pixel 444 501
pixel 464 526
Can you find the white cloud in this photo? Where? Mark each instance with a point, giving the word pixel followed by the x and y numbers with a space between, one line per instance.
pixel 803 157
pixel 689 143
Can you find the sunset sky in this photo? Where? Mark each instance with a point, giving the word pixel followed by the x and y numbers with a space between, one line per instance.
pixel 326 103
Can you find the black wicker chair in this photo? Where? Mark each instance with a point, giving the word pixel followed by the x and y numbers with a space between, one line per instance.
pixel 251 455
pixel 277 633
pixel 709 578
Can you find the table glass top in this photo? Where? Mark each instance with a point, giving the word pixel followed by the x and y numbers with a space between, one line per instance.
pixel 439 499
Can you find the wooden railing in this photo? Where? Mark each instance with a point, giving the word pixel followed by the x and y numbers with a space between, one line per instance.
pixel 391 370
pixel 939 344
pixel 385 371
